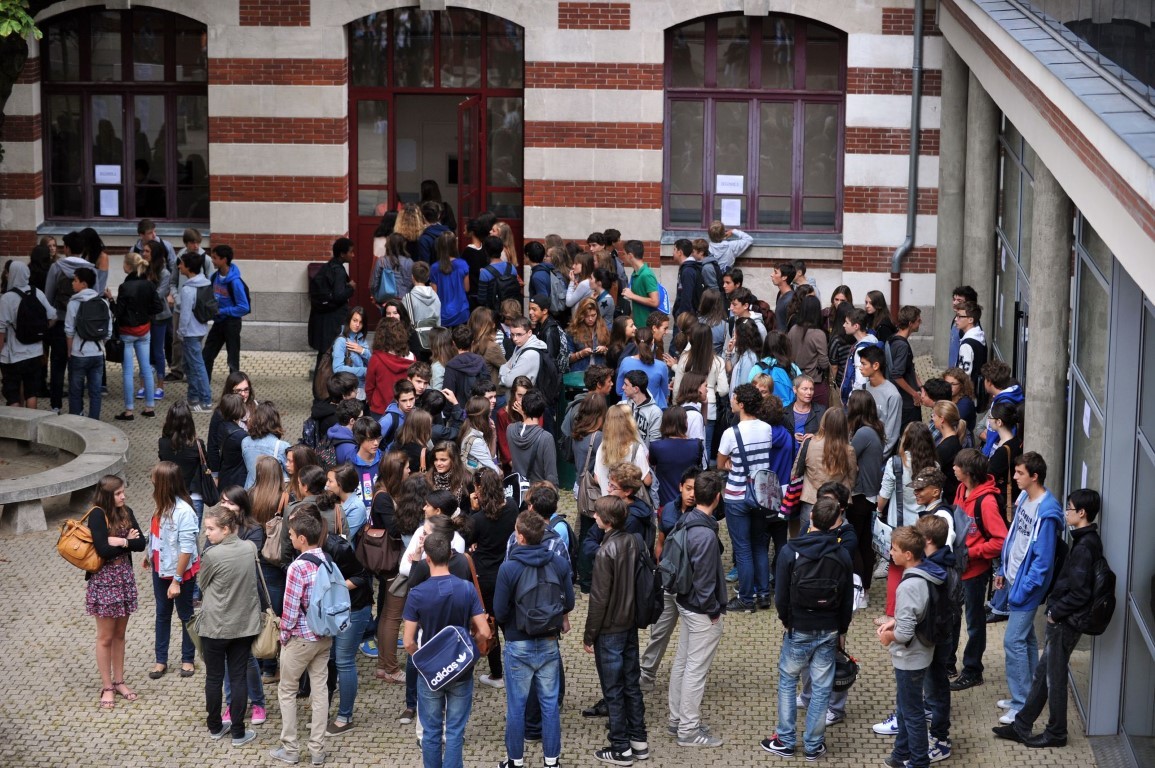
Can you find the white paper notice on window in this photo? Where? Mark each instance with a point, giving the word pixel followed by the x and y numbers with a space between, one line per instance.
pixel 1083 483
pixel 107 174
pixel 1087 420
pixel 728 185
pixel 731 212
pixel 109 202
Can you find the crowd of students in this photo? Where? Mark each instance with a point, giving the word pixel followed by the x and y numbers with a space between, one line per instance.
pixel 430 466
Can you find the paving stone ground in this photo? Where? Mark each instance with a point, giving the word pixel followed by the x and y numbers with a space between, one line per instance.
pixel 49 716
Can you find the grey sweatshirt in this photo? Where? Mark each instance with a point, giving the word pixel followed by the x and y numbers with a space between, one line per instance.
pixel 525 361
pixel 889 404
pixel 532 452
pixel 910 605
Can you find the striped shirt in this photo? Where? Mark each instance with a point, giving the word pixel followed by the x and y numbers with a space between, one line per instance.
pixel 299 580
pixel 757 439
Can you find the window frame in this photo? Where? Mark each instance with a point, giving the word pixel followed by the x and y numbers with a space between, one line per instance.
pixel 709 95
pixel 84 88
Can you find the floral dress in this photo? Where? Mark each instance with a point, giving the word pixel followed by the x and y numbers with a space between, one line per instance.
pixel 111 592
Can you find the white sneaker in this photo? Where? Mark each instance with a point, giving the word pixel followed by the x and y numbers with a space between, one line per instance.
pixel 833 718
pixel 880 569
pixel 491 682
pixel 1008 717
pixel 888 727
pixel 798 704
pixel 1005 703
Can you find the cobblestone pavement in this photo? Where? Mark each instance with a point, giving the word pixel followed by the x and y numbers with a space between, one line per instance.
pixel 49 715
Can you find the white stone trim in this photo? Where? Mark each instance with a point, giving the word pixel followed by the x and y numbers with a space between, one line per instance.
pixel 887 170
pixel 280 218
pixel 23 157
pixel 917 288
pixel 21 214
pixel 279 159
pixel 885 111
pixel 588 105
pixel 278 100
pixel 593 164
pixel 891 51
pixel 887 229
pixel 25 100
pixel 316 42
pixel 634 223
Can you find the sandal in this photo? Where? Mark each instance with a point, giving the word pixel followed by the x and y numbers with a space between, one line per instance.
pixel 107 703
pixel 129 696
pixel 157 674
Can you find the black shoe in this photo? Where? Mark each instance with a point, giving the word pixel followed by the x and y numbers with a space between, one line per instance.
pixel 174 376
pixel 1007 732
pixel 597 710
pixel 1044 740
pixel 765 602
pixel 995 618
pixel 776 747
pixel 613 757
pixel 962 682
pixel 739 606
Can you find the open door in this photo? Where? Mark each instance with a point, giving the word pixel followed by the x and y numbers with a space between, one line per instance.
pixel 469 198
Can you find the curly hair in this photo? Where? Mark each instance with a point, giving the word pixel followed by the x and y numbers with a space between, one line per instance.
pixel 410 503
pixel 490 494
pixel 591 336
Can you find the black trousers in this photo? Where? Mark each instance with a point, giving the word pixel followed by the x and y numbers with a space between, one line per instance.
pixel 58 362
pixel 231 655
pixel 225 332
pixel 1049 685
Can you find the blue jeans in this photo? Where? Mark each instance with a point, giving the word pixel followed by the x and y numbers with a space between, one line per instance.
pixel 448 708
pixel 532 664
pixel 911 741
pixel 343 660
pixel 1021 649
pixel 999 601
pixel 194 368
pixel 813 651
pixel 936 690
pixel 275 579
pixel 619 671
pixel 750 538
pixel 141 347
pixel 164 606
pixel 253 678
pixel 160 330
pixel 974 599
pixel 410 680
pixel 85 372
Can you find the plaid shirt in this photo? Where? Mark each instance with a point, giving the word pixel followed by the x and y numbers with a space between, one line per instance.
pixel 298 589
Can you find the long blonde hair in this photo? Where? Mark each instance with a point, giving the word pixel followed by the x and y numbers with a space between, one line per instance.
pixel 410 223
pixel 508 246
pixel 948 412
pixel 619 434
pixel 836 449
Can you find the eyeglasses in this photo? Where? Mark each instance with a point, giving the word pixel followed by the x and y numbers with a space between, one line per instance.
pixel 962 317
pixel 241 390
pixel 1072 509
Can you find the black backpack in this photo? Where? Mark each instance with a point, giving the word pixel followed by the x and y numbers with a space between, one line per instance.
pixel 1097 617
pixel 676 569
pixel 699 284
pixel 31 317
pixel 93 321
pixel 539 602
pixel 649 601
pixel 327 450
pixel 942 613
pixel 504 285
pixel 815 583
pixel 548 379
pixel 63 292
pixel 206 306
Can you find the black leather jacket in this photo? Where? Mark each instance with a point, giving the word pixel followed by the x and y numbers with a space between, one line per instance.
pixel 611 606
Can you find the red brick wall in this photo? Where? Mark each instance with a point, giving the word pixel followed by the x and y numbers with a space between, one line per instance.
pixel 279 189
pixel 278 130
pixel 592 194
pixel 274 13
pixel 21 128
pixel 876 258
pixel 580 74
pixel 21 186
pixel 889 141
pixel 887 200
pixel 572 135
pixel 593 15
pixel 30 75
pixel 260 247
pixel 17 242
pixel 891 81
pixel 900 21
pixel 278 71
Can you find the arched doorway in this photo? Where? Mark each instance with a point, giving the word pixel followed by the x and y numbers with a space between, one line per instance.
pixel 433 95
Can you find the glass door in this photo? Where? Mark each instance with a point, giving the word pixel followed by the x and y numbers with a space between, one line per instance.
pixel 469 194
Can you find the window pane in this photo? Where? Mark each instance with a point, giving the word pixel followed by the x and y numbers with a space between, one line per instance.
pixel 717 212
pixel 61 49
pixel 1138 702
pixel 506 53
pixel 776 150
pixel 1026 217
pixel 191 51
pixel 62 116
pixel 732 138
pixel 106 61
pixel 1013 138
pixel 1009 214
pixel 372 202
pixel 505 205
pixel 147 45
pixel 1097 249
pixel 368 49
pixel 686 210
pixel 372 143
pixel 774 212
pixel 1086 446
pixel 192 148
pixel 818 213
pixel 1005 309
pixel 149 156
pixel 820 159
pixel 460 49
pixel 107 130
pixel 687 130
pixel 688 56
pixel 506 139
pixel 413 49
pixel 1147 393
pixel 733 52
pixel 823 58
pixel 777 52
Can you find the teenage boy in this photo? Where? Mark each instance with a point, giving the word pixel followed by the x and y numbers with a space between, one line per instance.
pixel 597 378
pixel 539 270
pixel 301 649
pixel 1028 568
pixel 872 367
pixel 444 600
pixel 611 635
pixel 1067 609
pixel 936 687
pixel 341 433
pixel 727 245
pixel 978 497
pixel 901 371
pixel 404 398
pixel 932 391
pixel 959 296
pixel 690 274
pixel 526 358
pixel 700 612
pixel 801 279
pixel 192 332
pixel 532 655
pixel 329 294
pixel 1001 387
pixel 233 302
pixel 532 450
pixel 422 303
pixel 341 386
pixel 855 325
pixel 465 368
pixel 342 666
pixel 972 352
pixel 815 602
pixel 22 363
pixel 192 244
pixel 782 276
pixel 489 292
pixel 419 374
pixel 742 305
pixel 712 276
pixel 426 249
pixel 545 327
pixel 647 413
pixel 85 353
pixel 909 653
pixel 731 281
pixel 643 289
pixel 146 232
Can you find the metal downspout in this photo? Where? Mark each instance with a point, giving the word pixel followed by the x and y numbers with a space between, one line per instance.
pixel 912 183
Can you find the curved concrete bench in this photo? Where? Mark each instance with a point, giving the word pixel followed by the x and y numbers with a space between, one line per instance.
pixel 100 450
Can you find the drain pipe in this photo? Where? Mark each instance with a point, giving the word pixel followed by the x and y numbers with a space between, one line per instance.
pixel 912 184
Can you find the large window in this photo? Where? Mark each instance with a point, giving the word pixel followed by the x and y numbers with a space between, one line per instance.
pixel 125 116
pixel 1016 211
pixel 755 116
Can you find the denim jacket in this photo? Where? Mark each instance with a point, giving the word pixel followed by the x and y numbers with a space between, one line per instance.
pixel 178 536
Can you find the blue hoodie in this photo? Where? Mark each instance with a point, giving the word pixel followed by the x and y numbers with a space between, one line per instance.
pixel 232 293
pixel 520 558
pixel 1012 394
pixel 391 422
pixel 367 474
pixel 1037 570
pixel 342 438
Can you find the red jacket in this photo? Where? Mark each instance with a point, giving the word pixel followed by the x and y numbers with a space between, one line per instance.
pixel 980 551
pixel 385 370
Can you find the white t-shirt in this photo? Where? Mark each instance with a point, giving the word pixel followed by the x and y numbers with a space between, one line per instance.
pixel 757 439
pixel 1023 526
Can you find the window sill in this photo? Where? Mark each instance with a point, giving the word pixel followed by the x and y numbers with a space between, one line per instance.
pixel 766 239
pixel 172 231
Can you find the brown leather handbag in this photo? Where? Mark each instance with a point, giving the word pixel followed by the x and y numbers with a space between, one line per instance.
pixel 484 646
pixel 271 550
pixel 75 544
pixel 378 551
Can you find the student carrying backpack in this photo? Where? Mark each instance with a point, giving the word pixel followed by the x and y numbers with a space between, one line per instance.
pixel 539 601
pixel 649 599
pixel 566 533
pixel 93 320
pixel 206 307
pixel 938 621
pixel 31 317
pixel 675 568
pixel 329 603
pixel 502 285
pixel 557 306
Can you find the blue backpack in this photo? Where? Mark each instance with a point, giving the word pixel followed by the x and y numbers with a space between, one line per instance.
pixel 329 604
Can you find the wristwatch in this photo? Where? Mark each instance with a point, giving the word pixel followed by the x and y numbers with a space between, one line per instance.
pixel 178 579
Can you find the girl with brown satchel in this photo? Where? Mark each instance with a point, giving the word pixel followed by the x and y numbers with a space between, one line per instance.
pixel 269 501
pixel 386 529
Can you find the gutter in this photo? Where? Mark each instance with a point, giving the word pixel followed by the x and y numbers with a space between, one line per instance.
pixel 912 183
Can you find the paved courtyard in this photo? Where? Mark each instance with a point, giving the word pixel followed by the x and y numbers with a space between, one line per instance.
pixel 49 715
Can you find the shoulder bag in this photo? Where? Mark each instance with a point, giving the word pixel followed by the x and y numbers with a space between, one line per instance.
pixel 588 489
pixel 267 641
pixel 271 551
pixel 884 529
pixel 792 496
pixel 483 646
pixel 377 550
pixel 763 491
pixel 75 544
pixel 210 494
